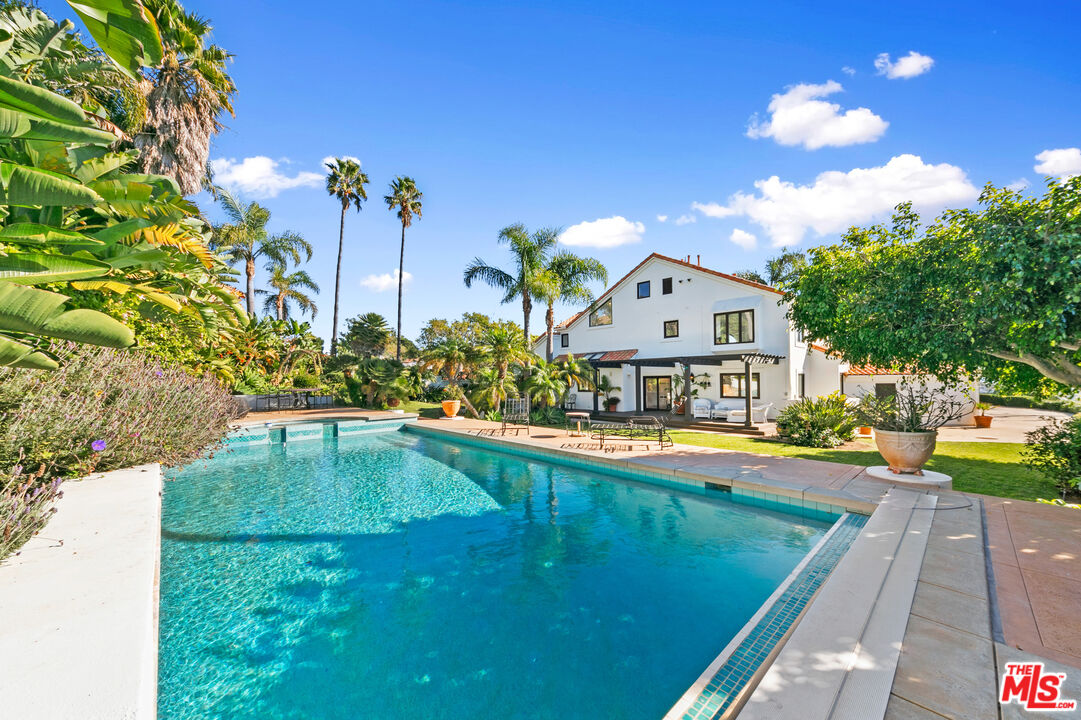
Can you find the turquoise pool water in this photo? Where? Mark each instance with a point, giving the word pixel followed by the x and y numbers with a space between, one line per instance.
pixel 395 575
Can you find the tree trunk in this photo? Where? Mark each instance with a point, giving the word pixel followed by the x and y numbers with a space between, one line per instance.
pixel 281 306
pixel 249 270
pixel 527 308
pixel 338 282
pixel 401 273
pixel 549 320
pixel 465 401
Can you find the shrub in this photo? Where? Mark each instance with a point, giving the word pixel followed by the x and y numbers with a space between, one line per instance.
pixel 817 422
pixel 1026 401
pixel 1055 451
pixel 103 409
pixel 547 416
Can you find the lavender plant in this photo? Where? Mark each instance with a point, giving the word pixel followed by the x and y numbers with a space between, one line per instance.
pixel 103 409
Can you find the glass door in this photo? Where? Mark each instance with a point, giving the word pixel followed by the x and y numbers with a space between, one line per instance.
pixel 658 393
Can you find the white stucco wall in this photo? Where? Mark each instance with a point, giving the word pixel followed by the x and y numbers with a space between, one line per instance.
pixel 859 385
pixel 79 605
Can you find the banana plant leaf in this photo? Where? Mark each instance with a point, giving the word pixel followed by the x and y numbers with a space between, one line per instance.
pixel 39 102
pixel 16 354
pixel 29 268
pixel 20 185
pixel 40 312
pixel 124 30
pixel 38 234
pixel 115 233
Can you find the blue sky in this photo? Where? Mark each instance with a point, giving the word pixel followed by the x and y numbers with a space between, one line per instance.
pixel 559 114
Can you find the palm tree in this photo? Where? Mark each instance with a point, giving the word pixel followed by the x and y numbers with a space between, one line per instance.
pixel 404 196
pixel 288 287
pixel 245 239
pixel 503 347
pixel 565 280
pixel 531 256
pixel 345 181
pixel 185 96
pixel 545 384
pixel 784 269
pixel 452 360
pixel 367 335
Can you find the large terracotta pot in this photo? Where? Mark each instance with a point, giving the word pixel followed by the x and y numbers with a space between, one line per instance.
pixel 983 421
pixel 906 452
pixel 451 407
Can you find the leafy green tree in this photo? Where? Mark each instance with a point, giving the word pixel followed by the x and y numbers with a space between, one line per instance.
pixel 502 347
pixel 406 198
pixel 367 335
pixel 288 287
pixel 783 270
pixel 185 96
pixel 531 254
pixel 994 291
pixel 752 275
pixel 566 278
pixel 470 329
pixel 454 361
pixel 545 383
pixel 245 239
pixel 345 181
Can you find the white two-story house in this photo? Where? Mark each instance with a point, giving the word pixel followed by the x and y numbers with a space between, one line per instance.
pixel 671 317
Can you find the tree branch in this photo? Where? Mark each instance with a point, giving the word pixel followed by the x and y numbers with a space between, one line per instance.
pixel 1065 372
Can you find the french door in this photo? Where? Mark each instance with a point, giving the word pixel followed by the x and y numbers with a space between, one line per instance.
pixel 657 393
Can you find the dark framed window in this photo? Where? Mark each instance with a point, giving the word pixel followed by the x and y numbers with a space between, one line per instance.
pixel 666 286
pixel 564 340
pixel 643 289
pixel 733 327
pixel 671 328
pixel 801 387
pixel 602 314
pixel 732 385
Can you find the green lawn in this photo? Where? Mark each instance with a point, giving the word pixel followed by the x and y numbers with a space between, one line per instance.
pixel 986 468
pixel 428 410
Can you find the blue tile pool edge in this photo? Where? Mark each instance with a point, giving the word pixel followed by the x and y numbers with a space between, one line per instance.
pixel 729 679
pixel 676 479
pixel 269 434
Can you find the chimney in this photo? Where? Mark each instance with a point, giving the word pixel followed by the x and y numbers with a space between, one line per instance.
pixel 699 263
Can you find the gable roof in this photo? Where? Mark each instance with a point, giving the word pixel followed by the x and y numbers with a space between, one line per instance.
pixel 682 263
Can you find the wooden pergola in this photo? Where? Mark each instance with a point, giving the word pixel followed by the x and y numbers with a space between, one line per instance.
pixel 748 359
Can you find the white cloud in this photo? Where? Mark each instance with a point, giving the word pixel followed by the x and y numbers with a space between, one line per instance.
pixel 662 218
pixel 907 67
pixel 331 158
pixel 603 233
pixel 1018 185
pixel 744 239
pixel 798 117
pixel 686 219
pixel 837 200
pixel 848 70
pixel 259 176
pixel 386 281
pixel 1063 162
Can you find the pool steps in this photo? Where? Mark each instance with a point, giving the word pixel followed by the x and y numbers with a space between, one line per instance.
pixel 274 433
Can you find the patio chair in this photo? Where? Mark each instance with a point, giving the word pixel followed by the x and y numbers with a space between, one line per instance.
pixel 515 415
pixel 701 408
pixel 570 402
pixel 719 411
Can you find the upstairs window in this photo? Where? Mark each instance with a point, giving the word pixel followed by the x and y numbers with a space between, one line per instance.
pixel 671 328
pixel 666 286
pixel 643 289
pixel 733 327
pixel 564 340
pixel 602 314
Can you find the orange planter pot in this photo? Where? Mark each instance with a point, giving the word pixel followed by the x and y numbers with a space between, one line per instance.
pixel 983 421
pixel 451 407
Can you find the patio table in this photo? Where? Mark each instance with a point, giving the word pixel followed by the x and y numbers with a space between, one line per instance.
pixel 579 418
pixel 302 397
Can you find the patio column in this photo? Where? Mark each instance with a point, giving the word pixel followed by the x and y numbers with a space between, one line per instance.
pixel 596 382
pixel 747 390
pixel 688 411
pixel 637 389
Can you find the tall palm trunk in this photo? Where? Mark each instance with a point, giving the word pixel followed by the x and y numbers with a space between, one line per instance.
pixel 527 308
pixel 401 273
pixel 249 270
pixel 281 306
pixel 550 320
pixel 338 281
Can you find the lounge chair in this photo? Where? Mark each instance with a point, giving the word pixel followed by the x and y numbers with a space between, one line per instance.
pixel 740 415
pixel 638 427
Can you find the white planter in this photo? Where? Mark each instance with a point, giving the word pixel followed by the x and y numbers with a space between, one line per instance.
pixel 906 452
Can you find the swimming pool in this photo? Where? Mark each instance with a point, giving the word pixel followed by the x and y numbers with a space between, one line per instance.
pixel 399 575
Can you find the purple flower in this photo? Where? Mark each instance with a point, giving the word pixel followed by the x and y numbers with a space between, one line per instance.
pixel 159 373
pixel 97 445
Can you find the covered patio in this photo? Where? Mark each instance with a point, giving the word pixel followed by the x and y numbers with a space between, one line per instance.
pixel 686 418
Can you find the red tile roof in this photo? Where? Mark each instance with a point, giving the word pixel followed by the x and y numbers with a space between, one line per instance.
pixel 873 370
pixel 610 356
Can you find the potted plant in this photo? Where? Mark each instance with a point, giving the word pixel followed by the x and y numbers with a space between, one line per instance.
pixel 906 424
pixel 606 388
pixel 983 420
pixel 452 402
